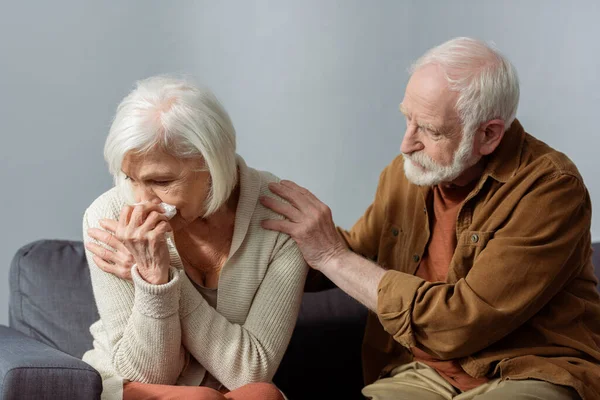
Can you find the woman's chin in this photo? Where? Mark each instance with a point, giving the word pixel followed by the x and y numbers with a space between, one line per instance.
pixel 177 223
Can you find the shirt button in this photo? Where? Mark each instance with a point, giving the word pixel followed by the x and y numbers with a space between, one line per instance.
pixel 425 210
pixel 416 258
pixel 474 238
pixel 395 232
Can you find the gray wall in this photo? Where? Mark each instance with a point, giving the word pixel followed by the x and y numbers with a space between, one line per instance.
pixel 312 87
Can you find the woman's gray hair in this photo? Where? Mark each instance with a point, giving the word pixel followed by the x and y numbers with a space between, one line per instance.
pixel 486 81
pixel 174 116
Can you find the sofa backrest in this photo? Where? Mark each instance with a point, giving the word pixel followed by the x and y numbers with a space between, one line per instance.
pixel 51 296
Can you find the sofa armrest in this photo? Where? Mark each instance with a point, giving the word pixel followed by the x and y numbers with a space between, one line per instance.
pixel 32 370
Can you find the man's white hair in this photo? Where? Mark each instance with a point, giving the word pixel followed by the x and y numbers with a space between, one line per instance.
pixel 172 115
pixel 486 81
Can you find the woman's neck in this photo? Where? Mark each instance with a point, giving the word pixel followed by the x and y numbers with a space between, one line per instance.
pixel 220 223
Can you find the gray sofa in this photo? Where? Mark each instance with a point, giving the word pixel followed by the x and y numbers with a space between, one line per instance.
pixel 52 307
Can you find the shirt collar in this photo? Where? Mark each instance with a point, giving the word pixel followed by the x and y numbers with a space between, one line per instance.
pixel 504 162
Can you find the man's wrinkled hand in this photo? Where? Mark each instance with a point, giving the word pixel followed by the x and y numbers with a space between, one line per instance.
pixel 308 221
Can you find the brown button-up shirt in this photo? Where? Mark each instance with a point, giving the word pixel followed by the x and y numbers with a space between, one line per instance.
pixel 520 299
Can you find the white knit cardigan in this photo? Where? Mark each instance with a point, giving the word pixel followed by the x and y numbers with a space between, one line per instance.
pixel 168 334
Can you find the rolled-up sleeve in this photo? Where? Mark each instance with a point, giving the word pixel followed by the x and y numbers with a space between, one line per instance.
pixel 395 298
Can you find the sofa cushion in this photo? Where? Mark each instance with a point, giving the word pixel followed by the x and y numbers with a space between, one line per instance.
pixel 32 370
pixel 325 351
pixel 51 297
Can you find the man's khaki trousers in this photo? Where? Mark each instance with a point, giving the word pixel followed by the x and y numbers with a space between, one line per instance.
pixel 415 381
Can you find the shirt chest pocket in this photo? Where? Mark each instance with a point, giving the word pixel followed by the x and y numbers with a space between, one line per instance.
pixel 469 246
pixel 391 243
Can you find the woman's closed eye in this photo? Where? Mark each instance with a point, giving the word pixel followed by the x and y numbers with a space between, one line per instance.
pixel 151 182
pixel 160 183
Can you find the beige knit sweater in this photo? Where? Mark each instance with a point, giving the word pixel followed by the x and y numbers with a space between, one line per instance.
pixel 168 334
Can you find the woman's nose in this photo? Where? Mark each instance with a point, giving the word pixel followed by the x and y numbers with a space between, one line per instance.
pixel 145 194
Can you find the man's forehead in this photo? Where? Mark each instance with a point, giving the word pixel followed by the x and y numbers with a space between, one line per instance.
pixel 429 82
pixel 428 92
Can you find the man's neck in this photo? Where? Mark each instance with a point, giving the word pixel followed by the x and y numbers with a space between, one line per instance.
pixel 469 175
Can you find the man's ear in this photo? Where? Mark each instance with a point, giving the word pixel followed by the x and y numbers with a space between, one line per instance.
pixel 490 135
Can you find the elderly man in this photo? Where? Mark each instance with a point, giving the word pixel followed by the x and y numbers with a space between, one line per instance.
pixel 482 285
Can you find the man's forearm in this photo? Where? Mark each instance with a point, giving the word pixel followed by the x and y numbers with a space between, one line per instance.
pixel 356 276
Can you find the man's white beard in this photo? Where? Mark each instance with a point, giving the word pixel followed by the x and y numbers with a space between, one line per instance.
pixel 434 173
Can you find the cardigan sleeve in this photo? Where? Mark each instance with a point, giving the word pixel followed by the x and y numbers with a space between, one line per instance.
pixel 141 320
pixel 237 354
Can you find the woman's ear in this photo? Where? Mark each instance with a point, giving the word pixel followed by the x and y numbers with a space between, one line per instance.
pixel 490 136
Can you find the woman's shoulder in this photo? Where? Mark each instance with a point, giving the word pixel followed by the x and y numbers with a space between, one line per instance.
pixel 261 212
pixel 107 205
pixel 255 178
pixel 275 242
pixel 263 179
pixel 266 178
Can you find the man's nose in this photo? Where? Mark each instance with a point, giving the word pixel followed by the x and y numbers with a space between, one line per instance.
pixel 411 142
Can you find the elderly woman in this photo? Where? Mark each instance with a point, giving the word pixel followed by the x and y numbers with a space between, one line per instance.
pixel 200 306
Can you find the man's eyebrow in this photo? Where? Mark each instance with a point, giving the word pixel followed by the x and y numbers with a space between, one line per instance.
pixel 431 128
pixel 403 110
pixel 424 125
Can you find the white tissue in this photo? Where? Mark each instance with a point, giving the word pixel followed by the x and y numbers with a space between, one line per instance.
pixel 170 210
